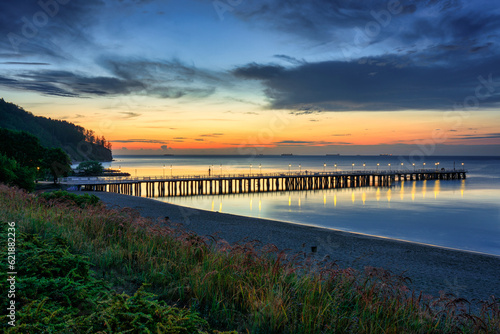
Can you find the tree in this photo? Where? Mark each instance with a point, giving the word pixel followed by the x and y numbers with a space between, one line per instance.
pixel 57 162
pixel 13 174
pixel 91 167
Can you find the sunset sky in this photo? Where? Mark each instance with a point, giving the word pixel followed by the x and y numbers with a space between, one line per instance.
pixel 261 76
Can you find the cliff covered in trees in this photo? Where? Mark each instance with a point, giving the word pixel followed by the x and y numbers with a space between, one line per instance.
pixel 80 144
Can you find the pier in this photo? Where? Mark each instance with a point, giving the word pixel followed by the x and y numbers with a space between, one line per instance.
pixel 254 183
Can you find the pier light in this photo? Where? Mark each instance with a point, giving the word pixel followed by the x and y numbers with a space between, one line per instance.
pixel 424 165
pixel 364 166
pixel 324 167
pixel 260 168
pixel 170 170
pixel 300 168
pixel 352 167
pixel 289 168
pixel 413 166
pixel 119 168
pixel 389 166
pixel 378 166
pixel 163 171
pixel 250 169
pixel 462 165
pixel 335 167
pixel 221 169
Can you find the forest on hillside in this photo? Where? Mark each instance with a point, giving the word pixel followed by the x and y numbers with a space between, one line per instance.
pixel 79 143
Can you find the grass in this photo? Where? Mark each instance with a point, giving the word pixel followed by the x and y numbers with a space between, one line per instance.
pixel 243 287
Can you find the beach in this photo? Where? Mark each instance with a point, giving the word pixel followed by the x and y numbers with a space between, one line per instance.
pixel 432 270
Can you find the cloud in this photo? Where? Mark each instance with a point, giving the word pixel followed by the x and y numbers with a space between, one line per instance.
pixel 308 142
pixel 398 85
pixel 149 141
pixel 212 135
pixel 28 28
pixel 484 136
pixel 164 147
pixel 129 114
pixel 23 63
pixel 164 79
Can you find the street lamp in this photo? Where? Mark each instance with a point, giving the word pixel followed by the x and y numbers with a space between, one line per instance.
pixel 413 166
pixel 221 170
pixel 260 169
pixel 352 168
pixel 250 169
pixel 424 165
pixel 170 170
pixel 401 165
pixel 390 167
pixel 364 166
pixel 300 169
pixel 335 167
pixel 377 166
pixel 289 166
pixel 324 167
pixel 462 166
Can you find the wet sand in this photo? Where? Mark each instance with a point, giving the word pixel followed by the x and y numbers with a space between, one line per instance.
pixel 469 275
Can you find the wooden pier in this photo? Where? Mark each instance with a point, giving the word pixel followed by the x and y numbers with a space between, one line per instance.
pixel 253 183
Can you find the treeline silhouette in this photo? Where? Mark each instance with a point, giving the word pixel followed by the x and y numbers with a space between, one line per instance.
pixel 79 143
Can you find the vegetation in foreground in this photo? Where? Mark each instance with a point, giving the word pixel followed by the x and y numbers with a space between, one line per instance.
pixel 58 293
pixel 241 287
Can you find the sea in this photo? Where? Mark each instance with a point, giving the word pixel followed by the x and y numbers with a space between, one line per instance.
pixel 458 214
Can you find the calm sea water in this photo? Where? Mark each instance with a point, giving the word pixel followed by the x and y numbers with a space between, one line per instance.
pixel 463 214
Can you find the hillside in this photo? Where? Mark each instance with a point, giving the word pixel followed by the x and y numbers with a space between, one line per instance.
pixel 79 143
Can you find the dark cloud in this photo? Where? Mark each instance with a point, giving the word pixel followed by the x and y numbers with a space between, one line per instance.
pixel 382 83
pixel 43 27
pixel 68 84
pixel 484 136
pixel 129 114
pixel 23 63
pixel 149 141
pixel 212 135
pixel 164 79
pixel 309 142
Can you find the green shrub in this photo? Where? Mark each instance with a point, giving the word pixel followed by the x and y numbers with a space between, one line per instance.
pixel 56 292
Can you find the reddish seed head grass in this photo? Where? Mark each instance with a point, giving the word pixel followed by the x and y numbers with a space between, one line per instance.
pixel 245 286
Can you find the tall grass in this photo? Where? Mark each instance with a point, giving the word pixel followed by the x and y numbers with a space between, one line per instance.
pixel 245 286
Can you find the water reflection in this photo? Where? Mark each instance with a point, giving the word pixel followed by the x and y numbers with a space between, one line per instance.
pixel 402 211
pixel 437 188
pixel 332 198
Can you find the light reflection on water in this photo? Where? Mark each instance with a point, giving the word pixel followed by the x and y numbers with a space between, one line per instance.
pixel 453 216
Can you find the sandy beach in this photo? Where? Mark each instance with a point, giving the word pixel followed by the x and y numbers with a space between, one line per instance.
pixel 469 275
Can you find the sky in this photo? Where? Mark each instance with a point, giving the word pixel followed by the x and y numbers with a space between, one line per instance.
pixel 261 76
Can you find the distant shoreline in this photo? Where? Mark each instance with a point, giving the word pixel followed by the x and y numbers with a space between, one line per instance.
pixel 431 269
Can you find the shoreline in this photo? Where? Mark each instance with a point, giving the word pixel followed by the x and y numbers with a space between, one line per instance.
pixel 465 274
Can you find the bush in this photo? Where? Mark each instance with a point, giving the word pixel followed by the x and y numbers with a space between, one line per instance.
pixel 58 293
pixel 13 174
pixel 64 196
pixel 91 168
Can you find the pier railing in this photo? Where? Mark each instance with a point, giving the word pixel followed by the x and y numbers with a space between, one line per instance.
pixel 131 179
